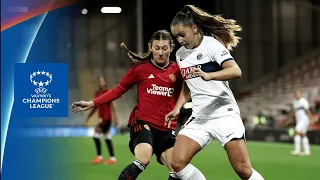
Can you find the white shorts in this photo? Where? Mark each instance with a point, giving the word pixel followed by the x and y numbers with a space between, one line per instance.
pixel 302 126
pixel 223 129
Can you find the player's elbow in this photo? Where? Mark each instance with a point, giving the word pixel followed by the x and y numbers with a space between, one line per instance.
pixel 237 73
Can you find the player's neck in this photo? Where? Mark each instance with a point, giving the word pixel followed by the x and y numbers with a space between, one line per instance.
pixel 199 41
pixel 158 66
pixel 103 87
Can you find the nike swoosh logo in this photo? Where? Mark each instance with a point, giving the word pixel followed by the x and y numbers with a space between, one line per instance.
pixel 229 135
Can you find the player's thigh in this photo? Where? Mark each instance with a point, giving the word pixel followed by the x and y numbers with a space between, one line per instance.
pixel 98 128
pixel 163 141
pixel 227 128
pixel 141 142
pixel 184 150
pixel 301 128
pixel 105 128
pixel 238 156
pixel 192 137
pixel 166 157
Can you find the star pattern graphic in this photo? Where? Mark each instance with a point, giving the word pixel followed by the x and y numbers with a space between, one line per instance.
pixel 42 73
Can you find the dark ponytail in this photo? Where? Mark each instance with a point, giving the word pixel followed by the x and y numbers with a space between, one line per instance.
pixel 216 26
pixel 158 35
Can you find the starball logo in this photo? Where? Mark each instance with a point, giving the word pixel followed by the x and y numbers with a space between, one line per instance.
pixel 42 97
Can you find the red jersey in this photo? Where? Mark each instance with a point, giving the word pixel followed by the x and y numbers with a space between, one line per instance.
pixel 158 92
pixel 105 109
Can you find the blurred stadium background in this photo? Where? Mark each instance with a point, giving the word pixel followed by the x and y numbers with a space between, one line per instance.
pixel 278 54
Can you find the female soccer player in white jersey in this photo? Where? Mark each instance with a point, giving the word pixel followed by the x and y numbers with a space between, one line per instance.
pixel 206 66
pixel 303 116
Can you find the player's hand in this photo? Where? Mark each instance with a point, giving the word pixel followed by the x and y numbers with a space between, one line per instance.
pixel 171 116
pixel 287 122
pixel 116 122
pixel 81 106
pixel 205 76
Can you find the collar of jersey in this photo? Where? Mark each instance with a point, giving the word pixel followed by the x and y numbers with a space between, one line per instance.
pixel 155 65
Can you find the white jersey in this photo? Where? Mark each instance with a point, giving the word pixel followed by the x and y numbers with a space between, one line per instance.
pixel 210 99
pixel 300 106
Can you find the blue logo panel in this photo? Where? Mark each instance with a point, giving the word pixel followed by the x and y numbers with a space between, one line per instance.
pixel 41 89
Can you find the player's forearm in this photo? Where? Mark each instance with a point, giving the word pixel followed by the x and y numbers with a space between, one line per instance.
pixel 309 114
pixel 184 96
pixel 91 112
pixel 291 115
pixel 114 111
pixel 109 96
pixel 226 74
pixel 113 108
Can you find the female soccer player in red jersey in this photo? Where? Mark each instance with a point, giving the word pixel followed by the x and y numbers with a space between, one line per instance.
pixel 159 83
pixel 106 111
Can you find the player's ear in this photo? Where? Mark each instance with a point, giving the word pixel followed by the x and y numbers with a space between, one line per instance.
pixel 195 29
pixel 171 47
pixel 150 47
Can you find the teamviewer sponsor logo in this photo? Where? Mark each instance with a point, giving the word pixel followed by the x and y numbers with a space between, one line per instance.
pixel 160 90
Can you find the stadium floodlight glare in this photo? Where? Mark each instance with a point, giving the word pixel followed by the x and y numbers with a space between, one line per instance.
pixel 84 11
pixel 111 9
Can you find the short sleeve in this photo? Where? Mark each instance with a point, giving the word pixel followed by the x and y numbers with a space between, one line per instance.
pixel 178 57
pixel 306 104
pixel 218 53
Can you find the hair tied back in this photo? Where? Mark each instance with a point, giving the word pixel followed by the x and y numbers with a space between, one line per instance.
pixel 185 9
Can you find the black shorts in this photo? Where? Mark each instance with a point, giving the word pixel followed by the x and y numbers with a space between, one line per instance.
pixel 160 141
pixel 105 127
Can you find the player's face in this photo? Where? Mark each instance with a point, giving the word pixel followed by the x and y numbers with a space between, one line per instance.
pixel 161 50
pixel 102 82
pixel 185 35
pixel 298 95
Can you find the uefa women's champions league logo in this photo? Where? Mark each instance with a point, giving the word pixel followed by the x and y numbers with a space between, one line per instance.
pixel 41 98
pixel 41 89
pixel 41 84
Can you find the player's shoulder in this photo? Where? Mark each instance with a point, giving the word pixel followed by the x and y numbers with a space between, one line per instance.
pixel 140 65
pixel 180 51
pixel 211 41
pixel 304 100
pixel 174 64
pixel 99 92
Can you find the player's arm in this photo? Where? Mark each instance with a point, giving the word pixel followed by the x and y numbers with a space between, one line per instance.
pixel 125 84
pixel 114 113
pixel 310 115
pixel 307 109
pixel 184 96
pixel 290 117
pixel 230 69
pixel 90 114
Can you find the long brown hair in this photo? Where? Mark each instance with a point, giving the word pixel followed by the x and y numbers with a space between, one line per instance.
pixel 224 30
pixel 158 35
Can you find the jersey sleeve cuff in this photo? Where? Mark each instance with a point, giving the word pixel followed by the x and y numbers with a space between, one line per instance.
pixel 229 59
